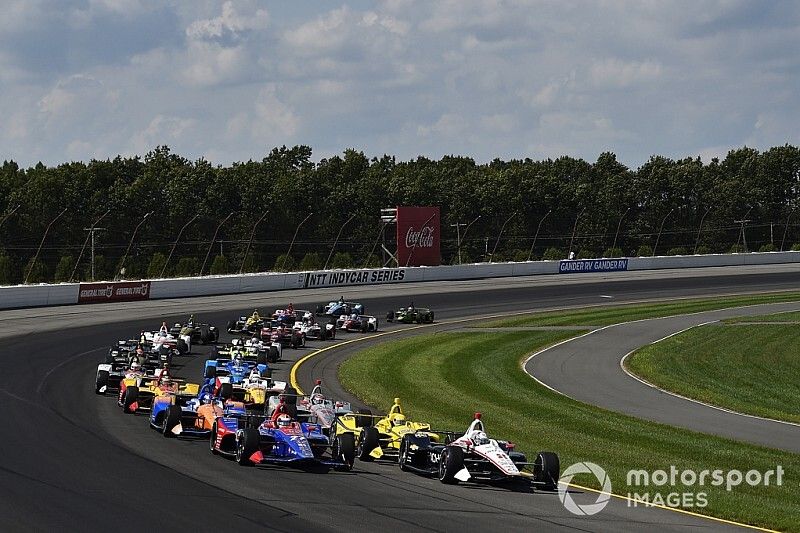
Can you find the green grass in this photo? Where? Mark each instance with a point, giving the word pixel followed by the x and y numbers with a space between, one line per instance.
pixel 752 369
pixel 603 316
pixel 793 316
pixel 443 378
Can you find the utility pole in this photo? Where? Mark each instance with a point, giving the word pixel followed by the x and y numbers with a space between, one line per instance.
pixel 92 231
pixel 742 232
pixel 458 225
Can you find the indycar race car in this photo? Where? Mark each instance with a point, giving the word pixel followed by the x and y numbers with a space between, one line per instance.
pixel 110 375
pixel 475 457
pixel 193 332
pixel 163 337
pixel 286 336
pixel 254 439
pixel 362 323
pixel 381 439
pixel 314 408
pixel 411 314
pixel 138 392
pixel 311 329
pixel 190 417
pixel 340 308
pixel 247 325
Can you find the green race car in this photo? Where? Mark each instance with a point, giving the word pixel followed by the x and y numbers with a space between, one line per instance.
pixel 410 315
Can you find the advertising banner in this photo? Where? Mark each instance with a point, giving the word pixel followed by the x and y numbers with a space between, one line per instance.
pixel 352 277
pixel 125 291
pixel 592 265
pixel 418 236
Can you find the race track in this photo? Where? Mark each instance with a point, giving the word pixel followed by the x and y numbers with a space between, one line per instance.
pixel 73 461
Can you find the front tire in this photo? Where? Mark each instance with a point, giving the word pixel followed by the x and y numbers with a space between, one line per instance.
pixel 546 470
pixel 346 450
pixel 131 395
pixel 247 445
pixel 212 441
pixel 101 381
pixel 171 419
pixel 369 441
pixel 451 462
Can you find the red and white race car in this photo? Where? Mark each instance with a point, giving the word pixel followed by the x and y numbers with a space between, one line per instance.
pixel 354 322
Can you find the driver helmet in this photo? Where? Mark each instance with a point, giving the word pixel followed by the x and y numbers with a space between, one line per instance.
pixel 235 342
pixel 238 360
pixel 317 399
pixel 398 420
pixel 135 366
pixel 480 438
pixel 284 421
pixel 410 309
pixel 354 316
pixel 255 374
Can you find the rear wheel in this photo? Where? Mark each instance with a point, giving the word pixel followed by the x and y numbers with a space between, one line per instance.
pixel 171 419
pixel 369 441
pixel 273 356
pixel 211 372
pixel 364 418
pixel 101 381
pixel 290 395
pixel 247 445
pixel 546 470
pixel 450 463
pixel 226 391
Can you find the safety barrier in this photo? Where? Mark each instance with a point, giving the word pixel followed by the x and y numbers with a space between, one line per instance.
pixel 71 293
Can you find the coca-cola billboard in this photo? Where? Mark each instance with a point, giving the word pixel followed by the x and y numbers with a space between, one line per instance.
pixel 418 236
pixel 113 292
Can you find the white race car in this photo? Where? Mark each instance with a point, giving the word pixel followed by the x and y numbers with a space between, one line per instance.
pixel 475 457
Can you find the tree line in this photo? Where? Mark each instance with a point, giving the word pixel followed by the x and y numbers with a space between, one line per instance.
pixel 544 208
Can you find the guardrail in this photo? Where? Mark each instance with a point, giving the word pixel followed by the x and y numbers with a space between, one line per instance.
pixel 72 293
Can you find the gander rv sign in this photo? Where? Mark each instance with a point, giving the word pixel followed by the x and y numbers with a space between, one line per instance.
pixel 592 265
pixel 113 292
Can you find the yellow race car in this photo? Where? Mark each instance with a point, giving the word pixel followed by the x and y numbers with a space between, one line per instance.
pixel 379 437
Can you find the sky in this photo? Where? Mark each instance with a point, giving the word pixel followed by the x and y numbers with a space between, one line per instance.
pixel 228 81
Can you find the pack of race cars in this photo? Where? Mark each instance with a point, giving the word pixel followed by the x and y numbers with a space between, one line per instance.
pixel 254 419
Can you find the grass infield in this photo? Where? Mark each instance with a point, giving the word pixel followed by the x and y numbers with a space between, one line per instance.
pixel 749 368
pixel 444 378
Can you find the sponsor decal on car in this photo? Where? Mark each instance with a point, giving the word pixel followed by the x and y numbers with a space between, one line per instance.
pixel 568 266
pixel 113 292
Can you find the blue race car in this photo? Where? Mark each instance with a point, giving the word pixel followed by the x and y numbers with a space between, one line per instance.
pixel 336 309
pixel 235 370
pixel 253 440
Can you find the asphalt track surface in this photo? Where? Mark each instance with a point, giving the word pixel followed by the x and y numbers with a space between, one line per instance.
pixel 588 369
pixel 72 461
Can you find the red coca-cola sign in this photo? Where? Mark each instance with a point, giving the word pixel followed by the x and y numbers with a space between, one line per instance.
pixel 113 292
pixel 418 236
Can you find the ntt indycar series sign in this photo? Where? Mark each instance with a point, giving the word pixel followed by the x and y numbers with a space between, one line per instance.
pixel 352 277
pixel 592 265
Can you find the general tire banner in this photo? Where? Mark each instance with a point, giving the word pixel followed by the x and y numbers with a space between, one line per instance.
pixel 352 277
pixel 418 236
pixel 592 265
pixel 113 292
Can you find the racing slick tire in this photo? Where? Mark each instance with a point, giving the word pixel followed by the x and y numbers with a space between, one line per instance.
pixel 274 356
pixel 183 348
pixel 369 441
pixel 262 358
pixel 344 448
pixel 450 463
pixel 246 445
pixel 267 373
pixel 546 470
pixel 171 419
pixel 364 418
pixel 100 381
pixel 226 391
pixel 211 372
pixel 212 441
pixel 431 318
pixel 130 397
pixel 231 327
pixel 290 395
pixel 390 316
pixel 404 460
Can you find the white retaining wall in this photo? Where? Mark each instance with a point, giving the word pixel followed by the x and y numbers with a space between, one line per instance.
pixel 67 293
